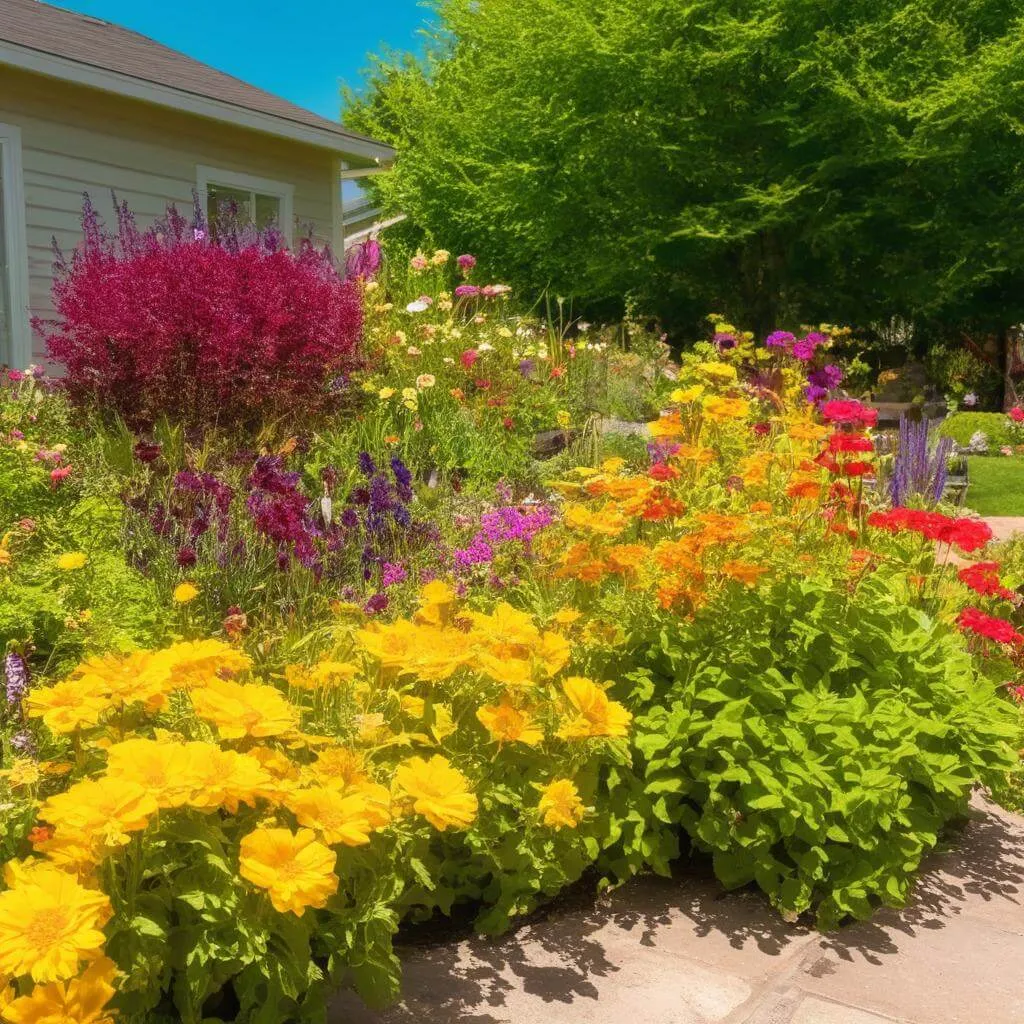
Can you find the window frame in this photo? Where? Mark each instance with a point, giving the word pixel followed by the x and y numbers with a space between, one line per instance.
pixel 280 190
pixel 16 241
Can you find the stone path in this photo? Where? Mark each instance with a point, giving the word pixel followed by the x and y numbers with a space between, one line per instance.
pixel 683 952
pixel 1004 527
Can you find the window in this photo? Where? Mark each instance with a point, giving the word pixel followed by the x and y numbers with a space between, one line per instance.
pixel 255 200
pixel 15 335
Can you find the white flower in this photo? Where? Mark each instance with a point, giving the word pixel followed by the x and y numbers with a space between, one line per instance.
pixel 412 350
pixel 425 380
pixel 485 347
pixel 417 306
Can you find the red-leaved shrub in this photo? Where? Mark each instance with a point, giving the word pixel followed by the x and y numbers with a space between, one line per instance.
pixel 233 333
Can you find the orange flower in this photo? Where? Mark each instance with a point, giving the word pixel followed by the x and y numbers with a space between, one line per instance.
pixel 761 508
pixel 626 558
pixel 668 425
pixel 802 490
pixel 745 572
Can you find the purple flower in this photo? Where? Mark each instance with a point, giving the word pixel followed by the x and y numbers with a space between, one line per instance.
pixel 466 291
pixel 376 604
pixel 186 557
pixel 23 743
pixel 366 464
pixel 363 260
pixel 466 262
pixel 779 339
pixel 147 451
pixel 16 677
pixel 392 573
pixel 724 341
pixel 803 350
pixel 526 367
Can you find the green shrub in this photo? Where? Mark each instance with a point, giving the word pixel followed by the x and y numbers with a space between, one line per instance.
pixel 962 426
pixel 816 743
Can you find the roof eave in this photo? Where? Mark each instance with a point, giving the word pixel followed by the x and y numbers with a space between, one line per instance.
pixel 353 148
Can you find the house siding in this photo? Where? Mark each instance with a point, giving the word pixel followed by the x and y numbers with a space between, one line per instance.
pixel 76 140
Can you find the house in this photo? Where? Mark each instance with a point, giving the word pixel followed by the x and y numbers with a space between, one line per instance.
pixel 86 106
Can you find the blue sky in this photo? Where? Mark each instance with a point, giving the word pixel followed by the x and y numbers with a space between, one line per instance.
pixel 299 49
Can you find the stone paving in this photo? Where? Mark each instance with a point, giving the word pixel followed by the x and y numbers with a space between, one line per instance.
pixel 681 951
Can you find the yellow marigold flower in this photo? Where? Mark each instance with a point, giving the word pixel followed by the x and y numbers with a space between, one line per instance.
pixel 244 709
pixel 81 1000
pixel 323 675
pixel 515 673
pixel 378 802
pixel 185 592
pixel 439 792
pixel 103 810
pixel 339 767
pixel 596 714
pixel 46 929
pixel 295 868
pixel 72 560
pixel 667 425
pixel 560 804
pixel 508 724
pixel 338 818
pixel 125 678
pixel 719 409
pixel 166 770
pixel 67 706
pixel 555 652
pixel 226 778
pixel 193 662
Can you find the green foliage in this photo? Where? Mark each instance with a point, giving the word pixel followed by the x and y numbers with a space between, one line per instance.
pixel 962 426
pixel 958 371
pixel 816 744
pixel 780 161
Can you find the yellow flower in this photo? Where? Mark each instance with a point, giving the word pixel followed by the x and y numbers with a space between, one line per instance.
pixel 596 714
pixel 47 927
pixel 563 419
pixel 507 632
pixel 124 678
pixel 683 396
pixel 338 818
pixel 555 652
pixel 193 662
pixel 100 811
pixel 72 560
pixel 67 706
pixel 566 616
pixel 81 1000
pixel 560 804
pixel 508 724
pixel 385 393
pixel 185 592
pixel 23 772
pixel 719 409
pixel 339 767
pixel 722 372
pixel 165 770
pixel 440 257
pixel 515 673
pixel 226 778
pixel 296 869
pixel 244 709
pixel 437 602
pixel 439 792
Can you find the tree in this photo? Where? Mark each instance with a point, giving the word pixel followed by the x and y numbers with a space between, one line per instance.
pixel 777 160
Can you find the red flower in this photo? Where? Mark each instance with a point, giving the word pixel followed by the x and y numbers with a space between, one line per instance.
pixel 663 471
pixel 1016 414
pixel 856 468
pixel 966 534
pixel 483 385
pixel 983 578
pixel 850 443
pixel 557 371
pixel 976 621
pixel 508 423
pixel 61 473
pixel 469 357
pixel 847 410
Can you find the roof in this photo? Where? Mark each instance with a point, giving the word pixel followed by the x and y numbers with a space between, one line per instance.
pixel 63 44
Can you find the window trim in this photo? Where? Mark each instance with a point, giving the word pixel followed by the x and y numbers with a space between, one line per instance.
pixel 17 241
pixel 281 190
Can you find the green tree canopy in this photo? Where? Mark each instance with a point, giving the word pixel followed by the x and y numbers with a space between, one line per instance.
pixel 776 160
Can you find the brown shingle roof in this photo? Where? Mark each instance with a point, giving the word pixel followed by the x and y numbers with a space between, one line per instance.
pixel 87 40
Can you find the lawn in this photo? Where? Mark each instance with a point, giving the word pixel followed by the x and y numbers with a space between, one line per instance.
pixel 996 486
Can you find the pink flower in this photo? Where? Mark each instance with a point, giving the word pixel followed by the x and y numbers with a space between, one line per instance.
pixel 15 375
pixel 59 474
pixel 466 263
pixel 1016 414
pixel 469 357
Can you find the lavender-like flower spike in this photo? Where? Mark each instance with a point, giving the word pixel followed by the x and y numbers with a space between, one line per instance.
pixel 917 472
pixel 16 677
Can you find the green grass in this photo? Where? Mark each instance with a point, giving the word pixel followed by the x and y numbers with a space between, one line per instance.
pixel 996 485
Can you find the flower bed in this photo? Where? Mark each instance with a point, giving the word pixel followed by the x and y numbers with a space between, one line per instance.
pixel 338 698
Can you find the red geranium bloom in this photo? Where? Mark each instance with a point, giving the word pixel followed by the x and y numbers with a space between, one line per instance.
pixel 663 471
pixel 848 410
pixel 966 534
pixel 857 468
pixel 850 443
pixel 983 578
pixel 1016 414
pixel 976 621
pixel 469 357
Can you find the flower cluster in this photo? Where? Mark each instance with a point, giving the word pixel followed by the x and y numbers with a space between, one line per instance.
pixel 964 533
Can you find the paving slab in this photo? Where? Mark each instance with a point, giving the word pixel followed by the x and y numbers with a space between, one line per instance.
pixel 680 951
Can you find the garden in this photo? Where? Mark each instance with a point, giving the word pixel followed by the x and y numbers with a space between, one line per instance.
pixel 334 602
